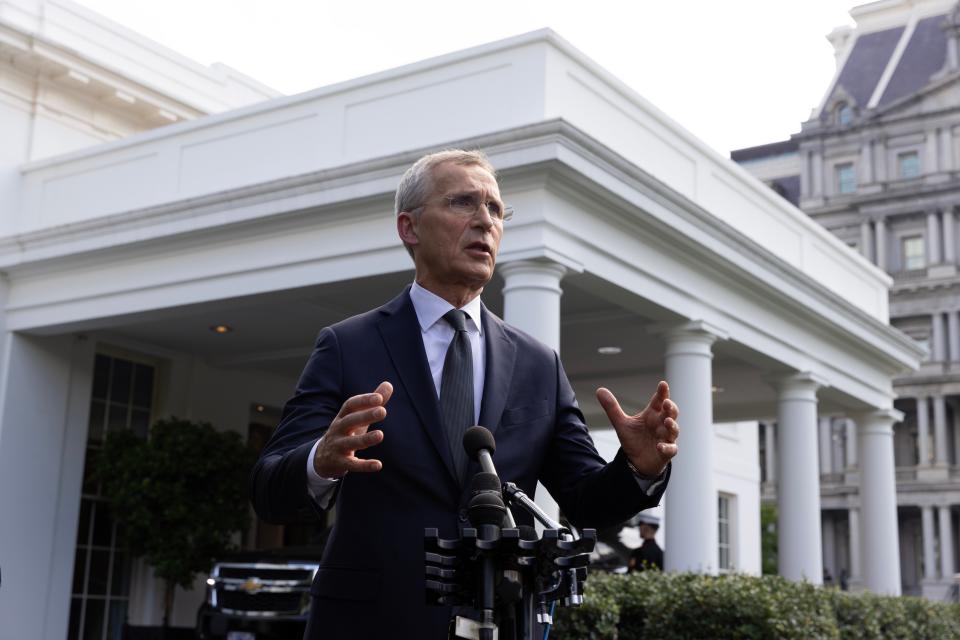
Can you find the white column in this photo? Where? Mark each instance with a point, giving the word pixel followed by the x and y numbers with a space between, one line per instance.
pixel 44 409
pixel 923 432
pixel 881 234
pixel 930 149
pixel 800 553
pixel 933 237
pixel 817 170
pixel 946 543
pixel 855 543
pixel 946 146
pixel 878 502
pixel 826 450
pixel 949 236
pixel 953 335
pixel 866 240
pixel 939 342
pixel 531 302
pixel 866 163
pixel 691 518
pixel 770 452
pixel 939 431
pixel 851 444
pixel 929 540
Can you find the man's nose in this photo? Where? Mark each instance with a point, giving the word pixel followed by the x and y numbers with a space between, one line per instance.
pixel 482 217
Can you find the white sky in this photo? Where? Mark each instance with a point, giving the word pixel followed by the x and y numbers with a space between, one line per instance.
pixel 736 73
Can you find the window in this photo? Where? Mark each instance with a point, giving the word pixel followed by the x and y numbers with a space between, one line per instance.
pixel 914 253
pixel 846 178
pixel 724 528
pixel 121 398
pixel 844 114
pixel 908 164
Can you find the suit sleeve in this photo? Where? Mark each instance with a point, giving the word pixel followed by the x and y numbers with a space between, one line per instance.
pixel 278 482
pixel 590 491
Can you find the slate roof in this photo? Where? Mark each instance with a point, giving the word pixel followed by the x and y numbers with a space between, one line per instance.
pixel 872 53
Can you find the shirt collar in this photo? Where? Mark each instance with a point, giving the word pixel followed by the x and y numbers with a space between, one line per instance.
pixel 430 308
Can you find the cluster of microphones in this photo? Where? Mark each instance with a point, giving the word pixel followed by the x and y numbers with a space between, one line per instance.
pixel 508 576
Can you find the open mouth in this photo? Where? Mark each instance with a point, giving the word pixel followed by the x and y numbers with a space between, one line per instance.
pixel 479 246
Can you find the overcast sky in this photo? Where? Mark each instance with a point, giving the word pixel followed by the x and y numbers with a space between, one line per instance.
pixel 735 73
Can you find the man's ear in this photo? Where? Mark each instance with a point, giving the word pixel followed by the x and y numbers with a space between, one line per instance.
pixel 407 228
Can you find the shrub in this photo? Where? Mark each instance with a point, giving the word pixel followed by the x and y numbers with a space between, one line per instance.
pixel 652 604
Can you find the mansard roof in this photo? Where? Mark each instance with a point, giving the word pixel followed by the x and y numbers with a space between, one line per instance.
pixel 886 65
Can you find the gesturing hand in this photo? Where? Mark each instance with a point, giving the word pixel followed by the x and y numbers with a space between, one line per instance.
pixel 648 438
pixel 348 434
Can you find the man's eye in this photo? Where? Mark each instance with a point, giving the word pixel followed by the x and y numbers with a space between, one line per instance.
pixel 494 208
pixel 461 202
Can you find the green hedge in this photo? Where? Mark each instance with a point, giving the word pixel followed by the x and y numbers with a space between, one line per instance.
pixel 684 606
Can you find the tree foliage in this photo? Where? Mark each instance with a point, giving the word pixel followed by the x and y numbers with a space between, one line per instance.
pixel 179 496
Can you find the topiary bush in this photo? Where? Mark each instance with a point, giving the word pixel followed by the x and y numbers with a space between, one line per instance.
pixel 668 606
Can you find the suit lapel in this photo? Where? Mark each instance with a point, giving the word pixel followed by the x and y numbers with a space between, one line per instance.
pixel 400 331
pixel 501 355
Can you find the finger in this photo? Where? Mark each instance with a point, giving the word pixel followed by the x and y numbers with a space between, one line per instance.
pixel 358 421
pixel 662 393
pixel 358 402
pixel 385 389
pixel 610 405
pixel 670 409
pixel 363 465
pixel 667 449
pixel 361 441
pixel 670 431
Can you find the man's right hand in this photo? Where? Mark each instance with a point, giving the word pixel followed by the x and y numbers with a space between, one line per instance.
pixel 348 434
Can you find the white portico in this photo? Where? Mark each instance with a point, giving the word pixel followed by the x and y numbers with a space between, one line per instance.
pixel 276 219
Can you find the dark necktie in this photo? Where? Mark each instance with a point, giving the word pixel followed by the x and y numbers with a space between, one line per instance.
pixel 456 389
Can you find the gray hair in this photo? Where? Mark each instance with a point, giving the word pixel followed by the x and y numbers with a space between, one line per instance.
pixel 416 185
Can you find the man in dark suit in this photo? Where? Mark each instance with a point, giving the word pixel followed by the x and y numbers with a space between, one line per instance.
pixel 375 424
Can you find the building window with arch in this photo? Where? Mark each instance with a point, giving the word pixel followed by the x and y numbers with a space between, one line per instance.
pixel 844 114
pixel 908 164
pixel 846 176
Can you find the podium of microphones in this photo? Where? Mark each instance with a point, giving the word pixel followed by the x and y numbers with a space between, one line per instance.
pixel 506 577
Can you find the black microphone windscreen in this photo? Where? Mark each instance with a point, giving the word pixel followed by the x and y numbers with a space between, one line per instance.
pixel 484 482
pixel 527 532
pixel 477 438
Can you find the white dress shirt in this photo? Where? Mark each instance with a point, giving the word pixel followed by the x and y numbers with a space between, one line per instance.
pixel 437 334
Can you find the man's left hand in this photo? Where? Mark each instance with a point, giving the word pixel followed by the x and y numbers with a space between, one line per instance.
pixel 648 438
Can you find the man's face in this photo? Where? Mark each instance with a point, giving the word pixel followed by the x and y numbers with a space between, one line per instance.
pixel 454 251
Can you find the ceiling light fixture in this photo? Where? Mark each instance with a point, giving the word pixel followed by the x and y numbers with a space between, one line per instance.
pixel 221 328
pixel 609 351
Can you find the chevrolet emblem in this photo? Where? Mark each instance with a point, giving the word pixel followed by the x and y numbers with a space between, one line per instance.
pixel 252 585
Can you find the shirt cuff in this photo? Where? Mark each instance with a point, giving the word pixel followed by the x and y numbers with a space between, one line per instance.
pixel 648 485
pixel 321 489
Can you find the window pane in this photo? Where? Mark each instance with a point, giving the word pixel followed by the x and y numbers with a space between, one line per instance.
pixel 93 622
pixel 73 630
pixel 99 571
pixel 118 615
pixel 89 481
pixel 102 526
pixel 140 422
pixel 120 583
pixel 122 377
pixel 909 164
pixel 914 253
pixel 79 571
pixel 83 526
pixel 846 178
pixel 101 377
pixel 143 386
pixel 97 412
pixel 118 417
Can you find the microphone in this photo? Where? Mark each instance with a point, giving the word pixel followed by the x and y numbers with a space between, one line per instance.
pixel 480 446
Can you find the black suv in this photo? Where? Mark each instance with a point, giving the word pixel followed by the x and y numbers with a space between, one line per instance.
pixel 259 595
